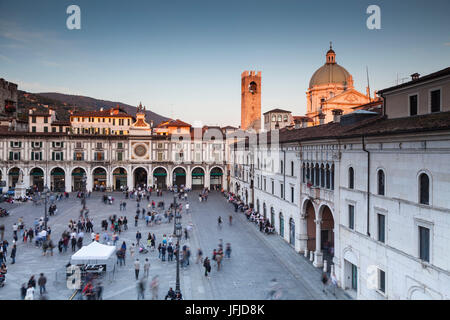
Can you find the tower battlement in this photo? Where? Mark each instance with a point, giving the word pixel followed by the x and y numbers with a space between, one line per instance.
pixel 251 73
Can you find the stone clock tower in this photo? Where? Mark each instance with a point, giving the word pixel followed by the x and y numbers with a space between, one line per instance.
pixel 251 100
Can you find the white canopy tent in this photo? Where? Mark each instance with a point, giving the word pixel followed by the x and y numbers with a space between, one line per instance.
pixel 94 252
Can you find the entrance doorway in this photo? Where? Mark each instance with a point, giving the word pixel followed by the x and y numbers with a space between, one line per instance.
pixel 78 184
pixel 57 180
pixel 37 179
pixel 310 226
pixel 99 179
pixel 179 177
pixel 215 178
pixel 140 178
pixel 120 179
pixel 292 232
pixel 159 177
pixel 198 178
pixel 13 176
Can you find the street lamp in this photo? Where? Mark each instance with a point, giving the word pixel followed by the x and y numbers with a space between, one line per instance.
pixel 45 192
pixel 177 231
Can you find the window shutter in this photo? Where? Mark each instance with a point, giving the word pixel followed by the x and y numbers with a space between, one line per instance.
pixel 53 144
pixel 20 144
pixel 62 144
pixel 40 155
pixel 10 155
pixel 32 155
pixel 19 156
pixel 11 144
pixel 53 155
pixel 62 156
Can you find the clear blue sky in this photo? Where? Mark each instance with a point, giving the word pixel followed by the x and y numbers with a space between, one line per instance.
pixel 183 58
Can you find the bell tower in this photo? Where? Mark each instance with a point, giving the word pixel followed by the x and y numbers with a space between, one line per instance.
pixel 251 100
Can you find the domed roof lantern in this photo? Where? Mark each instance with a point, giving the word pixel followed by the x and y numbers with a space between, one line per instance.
pixel 331 55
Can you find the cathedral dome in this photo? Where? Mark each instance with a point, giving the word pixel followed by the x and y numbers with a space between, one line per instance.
pixel 330 72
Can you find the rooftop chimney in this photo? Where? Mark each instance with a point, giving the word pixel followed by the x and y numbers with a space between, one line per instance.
pixel 415 76
pixel 321 118
pixel 337 113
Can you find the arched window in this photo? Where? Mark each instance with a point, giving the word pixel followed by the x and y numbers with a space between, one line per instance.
pixel 322 176
pixel 332 177
pixel 303 173
pixel 279 118
pixel 317 175
pixel 272 216
pixel 424 189
pixel 281 225
pixel 274 118
pixel 381 182
pixel 292 232
pixel 327 174
pixel 351 178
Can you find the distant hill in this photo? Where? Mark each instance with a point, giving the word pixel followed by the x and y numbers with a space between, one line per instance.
pixel 65 102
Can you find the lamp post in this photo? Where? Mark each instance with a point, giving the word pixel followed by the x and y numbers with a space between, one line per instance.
pixel 178 230
pixel 84 180
pixel 45 192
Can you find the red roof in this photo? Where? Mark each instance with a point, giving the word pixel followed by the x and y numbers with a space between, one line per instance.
pixel 173 123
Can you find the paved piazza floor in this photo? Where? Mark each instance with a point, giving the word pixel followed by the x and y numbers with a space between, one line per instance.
pixel 256 258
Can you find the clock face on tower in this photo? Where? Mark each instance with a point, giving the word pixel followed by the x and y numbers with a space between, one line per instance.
pixel 140 150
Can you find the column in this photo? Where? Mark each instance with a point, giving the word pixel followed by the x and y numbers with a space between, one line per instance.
pixel 89 182
pixel 189 177
pixel 149 176
pixel 207 177
pixel 68 179
pixel 129 178
pixel 318 256
pixel 303 234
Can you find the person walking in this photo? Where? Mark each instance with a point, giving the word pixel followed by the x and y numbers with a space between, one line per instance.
pixel 42 281
pixel 137 267
pixel 155 287
pixel 170 252
pixel 324 282
pixel 141 289
pixel 199 256
pixel 146 267
pixel 132 250
pixel 207 266
pixel 163 253
pixel 334 283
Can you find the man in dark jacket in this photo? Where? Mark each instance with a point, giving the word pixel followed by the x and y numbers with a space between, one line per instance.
pixel 170 294
pixel 42 281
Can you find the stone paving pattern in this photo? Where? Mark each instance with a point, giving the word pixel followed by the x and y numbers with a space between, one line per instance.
pixel 256 258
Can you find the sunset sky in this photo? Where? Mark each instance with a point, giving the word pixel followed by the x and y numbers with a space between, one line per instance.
pixel 184 59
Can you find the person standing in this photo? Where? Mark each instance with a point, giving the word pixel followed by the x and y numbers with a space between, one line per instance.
pixel 207 266
pixel 137 267
pixel 163 252
pixel 170 252
pixel 199 256
pixel 42 281
pixel 141 289
pixel 187 207
pixel 13 253
pixel 324 281
pixel 30 293
pixel 228 251
pixel 146 267
pixel 138 238
pixel 132 249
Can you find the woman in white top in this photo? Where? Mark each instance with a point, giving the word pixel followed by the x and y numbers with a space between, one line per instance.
pixel 30 293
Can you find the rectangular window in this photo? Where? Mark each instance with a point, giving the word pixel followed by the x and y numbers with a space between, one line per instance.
pixel 424 244
pixel 120 145
pixel 264 184
pixel 45 120
pixel 381 227
pixel 99 145
pixel 33 119
pixel 435 97
pixel 351 217
pixel 292 168
pixel 99 156
pixel 53 129
pixel 160 156
pixel 45 129
pixel 413 105
pixel 273 188
pixel 78 156
pixel 282 191
pixel 33 129
pixel 119 156
pixel 292 194
pixel 382 281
